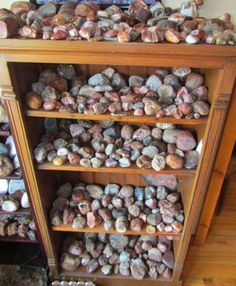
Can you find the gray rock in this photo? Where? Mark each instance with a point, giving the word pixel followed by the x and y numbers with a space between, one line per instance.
pixel 161 193
pixel 87 91
pixel 150 151
pixel 95 191
pixel 111 189
pixel 153 82
pixel 118 241
pixel 136 81
pixel 118 81
pixel 124 163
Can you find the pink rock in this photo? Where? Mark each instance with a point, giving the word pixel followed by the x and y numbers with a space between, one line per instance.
pixel 93 219
pixel 185 141
pixel 185 108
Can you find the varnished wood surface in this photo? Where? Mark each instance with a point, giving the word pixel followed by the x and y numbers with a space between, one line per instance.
pixel 17 239
pixel 100 229
pixel 218 174
pixel 214 263
pixel 131 170
pixel 117 118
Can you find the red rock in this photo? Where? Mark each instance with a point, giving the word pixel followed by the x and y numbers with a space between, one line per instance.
pixel 123 36
pixel 29 32
pixel 93 219
pixel 151 36
pixel 185 108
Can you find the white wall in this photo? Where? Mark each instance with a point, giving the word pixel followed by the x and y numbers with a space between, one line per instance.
pixel 211 9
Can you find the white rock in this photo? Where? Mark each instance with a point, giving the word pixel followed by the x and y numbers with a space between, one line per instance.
pixel 3 186
pixel 25 201
pixel 16 162
pixel 16 185
pixel 10 206
pixel 191 39
pixel 11 146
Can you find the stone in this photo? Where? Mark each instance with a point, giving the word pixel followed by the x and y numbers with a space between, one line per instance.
pixel 117 202
pixel 173 36
pixel 181 72
pixel 3 186
pixel 127 132
pixel 168 259
pixel 153 82
pixel 136 225
pixel 84 162
pixel 87 91
pixel 25 201
pixel 118 241
pixel 105 214
pixel 92 266
pixel 109 72
pixel 151 203
pixel 96 163
pixel 95 191
pixel 124 163
pixel 158 162
pixel 121 224
pixel 193 81
pixel 124 269
pixel 10 205
pixel 201 107
pixel 157 180
pixel 174 161
pixel 185 108
pixel 155 254
pixel 33 100
pixel 191 159
pixel 98 79
pixel 134 210
pixel 40 154
pixel 173 197
pixel 108 225
pixel 106 269
pixel 167 273
pixel 64 190
pixel 66 71
pixel 185 141
pixel 93 220
pixel 141 133
pixel 58 161
pixel 112 131
pixel 111 163
pixel 118 81
pixel 69 262
pixel 84 207
pixel 138 268
pixel 153 219
pixel 79 222
pixel 136 81
pixel 126 191
pixel 170 135
pixel 177 226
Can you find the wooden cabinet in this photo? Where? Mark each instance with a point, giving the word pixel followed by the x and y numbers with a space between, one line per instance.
pixel 21 63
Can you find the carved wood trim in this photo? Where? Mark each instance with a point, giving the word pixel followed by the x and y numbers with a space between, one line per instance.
pixel 222 101
pixel 7 92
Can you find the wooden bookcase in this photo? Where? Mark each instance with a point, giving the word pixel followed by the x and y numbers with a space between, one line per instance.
pixel 21 63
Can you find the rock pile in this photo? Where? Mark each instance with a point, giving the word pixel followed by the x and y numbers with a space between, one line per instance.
pixel 92 144
pixel 118 208
pixel 87 21
pixel 141 256
pixel 179 92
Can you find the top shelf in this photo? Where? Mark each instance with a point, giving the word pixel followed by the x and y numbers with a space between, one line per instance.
pixel 118 118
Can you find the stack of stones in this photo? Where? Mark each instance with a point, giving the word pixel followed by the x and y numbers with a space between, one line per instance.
pixel 121 208
pixel 8 158
pixel 11 203
pixel 92 144
pixel 139 256
pixel 72 283
pixel 178 92
pixel 87 21
pixel 23 226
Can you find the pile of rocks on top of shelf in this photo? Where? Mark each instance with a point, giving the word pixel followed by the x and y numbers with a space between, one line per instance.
pixel 13 195
pixel 21 225
pixel 92 144
pixel 121 208
pixel 139 256
pixel 9 161
pixel 178 92
pixel 72 283
pixel 154 23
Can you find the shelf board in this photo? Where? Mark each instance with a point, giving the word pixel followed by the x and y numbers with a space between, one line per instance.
pixel 16 238
pixel 20 211
pixel 100 229
pixel 131 170
pixel 11 177
pixel 4 133
pixel 119 118
pixel 81 272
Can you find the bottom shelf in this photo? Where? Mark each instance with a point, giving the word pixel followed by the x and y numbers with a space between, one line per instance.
pixel 16 238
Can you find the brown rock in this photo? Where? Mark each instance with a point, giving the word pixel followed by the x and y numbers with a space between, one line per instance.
pixel 84 207
pixel 105 214
pixel 174 161
pixel 8 26
pixel 143 162
pixel 33 100
pixel 173 36
pixel 69 262
pixel 136 225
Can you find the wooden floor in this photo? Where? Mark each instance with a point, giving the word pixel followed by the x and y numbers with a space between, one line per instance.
pixel 214 264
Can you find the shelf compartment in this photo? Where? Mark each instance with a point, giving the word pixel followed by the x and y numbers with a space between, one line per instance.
pixel 21 211
pixel 100 229
pixel 116 118
pixel 16 238
pixel 118 170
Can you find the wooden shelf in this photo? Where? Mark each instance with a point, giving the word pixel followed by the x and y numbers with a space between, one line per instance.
pixel 100 229
pixel 20 211
pixel 118 170
pixel 81 272
pixel 16 238
pixel 11 177
pixel 118 117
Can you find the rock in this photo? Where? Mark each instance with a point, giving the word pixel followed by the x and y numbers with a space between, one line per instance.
pixel 87 91
pixel 10 205
pixel 124 269
pixel 92 266
pixel 40 154
pixel 185 141
pixel 168 259
pixel 106 269
pixel 154 219
pixel 112 131
pixel 66 71
pixel 173 36
pixel 3 186
pixel 84 207
pixel 127 132
pixel 157 180
pixel 93 219
pixel 136 225
pixel 174 161
pixel 173 197
pixel 141 133
pixel 201 107
pixel 138 268
pixel 76 130
pixel 177 226
pixel 95 191
pixel 170 135
pixel 185 108
pixel 166 94
pixel 181 72
pixel 108 225
pixel 109 72
pixel 193 81
pixel 121 224
pixel 155 254
pixel 158 162
pixel 98 79
pixel 118 241
pixel 157 133
pixel 111 163
pixel 58 161
pixel 68 216
pixel 105 214
pixel 124 163
pixel 111 189
pixel 84 162
pixel 118 81
pixel 191 159
pixel 79 222
pixel 25 201
pixel 33 100
pixel 152 107
pixel 136 81
pixel 134 210
pixel 151 203
pixel 165 126
pixel 126 191
pixel 117 202
pixel 96 163
pixel 153 82
pixel 139 193
pixel 69 262
pixel 64 190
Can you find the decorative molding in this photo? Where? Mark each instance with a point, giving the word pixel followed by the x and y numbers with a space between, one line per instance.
pixel 222 101
pixel 7 92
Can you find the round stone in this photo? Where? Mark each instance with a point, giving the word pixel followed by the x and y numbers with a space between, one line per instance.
pixel 174 161
pixel 191 159
pixel 150 151
pixel 158 162
pixel 185 141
